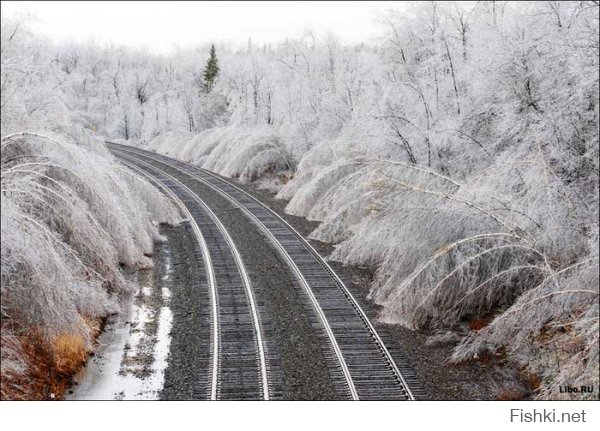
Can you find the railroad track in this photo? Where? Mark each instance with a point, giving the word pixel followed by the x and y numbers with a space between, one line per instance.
pixel 238 365
pixel 359 363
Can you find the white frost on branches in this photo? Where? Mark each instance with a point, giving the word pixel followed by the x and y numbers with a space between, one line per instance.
pixel 457 153
pixel 71 219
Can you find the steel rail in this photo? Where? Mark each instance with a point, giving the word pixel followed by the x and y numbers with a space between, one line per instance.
pixel 209 271
pixel 303 282
pixel 385 352
pixel 242 271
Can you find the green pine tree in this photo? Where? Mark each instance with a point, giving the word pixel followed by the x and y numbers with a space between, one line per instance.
pixel 211 71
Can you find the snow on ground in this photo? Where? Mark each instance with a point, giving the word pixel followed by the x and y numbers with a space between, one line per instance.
pixel 130 361
pixel 71 220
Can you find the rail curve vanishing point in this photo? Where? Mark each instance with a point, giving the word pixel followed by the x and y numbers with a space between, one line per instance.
pixel 359 360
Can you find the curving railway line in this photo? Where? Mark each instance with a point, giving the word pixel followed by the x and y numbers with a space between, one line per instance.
pixel 241 365
pixel 238 368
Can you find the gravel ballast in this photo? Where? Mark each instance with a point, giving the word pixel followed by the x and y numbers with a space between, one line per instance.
pixel 439 380
pixel 187 365
pixel 303 373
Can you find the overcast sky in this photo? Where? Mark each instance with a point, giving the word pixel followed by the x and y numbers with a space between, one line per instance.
pixel 162 26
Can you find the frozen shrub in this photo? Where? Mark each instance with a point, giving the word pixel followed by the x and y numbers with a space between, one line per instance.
pixel 474 249
pixel 71 218
pixel 13 366
pixel 322 188
pixel 312 162
pixel 551 330
pixel 168 144
pixel 458 155
pixel 245 154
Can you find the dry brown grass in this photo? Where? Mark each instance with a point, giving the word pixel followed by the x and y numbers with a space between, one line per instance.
pixel 69 353
pixel 49 367
pixel 40 381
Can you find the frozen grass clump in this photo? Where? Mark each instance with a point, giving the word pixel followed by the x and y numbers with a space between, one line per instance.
pixel 71 219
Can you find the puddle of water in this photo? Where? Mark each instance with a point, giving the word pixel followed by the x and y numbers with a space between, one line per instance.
pixel 133 349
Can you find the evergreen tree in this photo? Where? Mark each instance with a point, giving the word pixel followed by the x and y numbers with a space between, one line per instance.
pixel 211 71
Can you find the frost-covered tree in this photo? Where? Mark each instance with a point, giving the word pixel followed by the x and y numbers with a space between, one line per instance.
pixel 71 217
pixel 458 153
